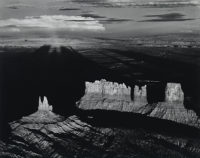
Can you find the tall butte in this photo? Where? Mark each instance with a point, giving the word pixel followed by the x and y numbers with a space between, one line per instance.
pixel 173 107
pixel 174 93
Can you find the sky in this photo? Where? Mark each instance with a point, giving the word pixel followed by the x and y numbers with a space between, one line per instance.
pixel 26 19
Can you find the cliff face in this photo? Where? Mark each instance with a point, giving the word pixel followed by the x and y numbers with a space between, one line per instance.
pixel 112 96
pixel 174 93
pixel 104 89
pixel 140 96
pixel 177 113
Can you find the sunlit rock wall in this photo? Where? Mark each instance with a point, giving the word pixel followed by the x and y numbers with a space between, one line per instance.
pixel 112 96
pixel 174 93
pixel 140 95
pixel 44 105
pixel 172 108
pixel 107 89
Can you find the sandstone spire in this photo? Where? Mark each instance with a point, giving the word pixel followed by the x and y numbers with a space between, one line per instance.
pixel 40 103
pixel 44 105
pixel 44 114
pixel 140 95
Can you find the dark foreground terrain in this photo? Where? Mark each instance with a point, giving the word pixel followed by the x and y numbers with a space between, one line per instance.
pixel 61 75
pixel 94 134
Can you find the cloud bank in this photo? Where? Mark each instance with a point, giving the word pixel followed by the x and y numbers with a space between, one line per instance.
pixel 141 3
pixel 104 19
pixel 166 17
pixel 55 22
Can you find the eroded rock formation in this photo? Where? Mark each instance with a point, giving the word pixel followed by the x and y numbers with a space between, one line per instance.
pixel 175 112
pixel 112 96
pixel 76 137
pixel 46 134
pixel 105 95
pixel 108 89
pixel 44 105
pixel 43 114
pixel 173 107
pixel 140 95
pixel 174 93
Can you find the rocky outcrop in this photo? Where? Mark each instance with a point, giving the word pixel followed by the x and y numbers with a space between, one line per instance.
pixel 175 112
pixel 106 89
pixel 174 93
pixel 112 96
pixel 44 105
pixel 46 134
pixel 140 96
pixel 44 113
pixel 74 138
pixel 172 108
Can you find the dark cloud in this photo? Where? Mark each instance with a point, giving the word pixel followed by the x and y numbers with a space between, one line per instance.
pixel 106 3
pixel 10 26
pixel 64 9
pixel 165 20
pixel 115 20
pixel 104 19
pixel 92 15
pixel 94 3
pixel 13 7
pixel 169 4
pixel 82 20
pixel 138 3
pixel 166 17
pixel 18 5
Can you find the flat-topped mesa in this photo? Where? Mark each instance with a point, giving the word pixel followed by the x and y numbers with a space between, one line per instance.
pixel 140 95
pixel 44 105
pixel 107 89
pixel 173 108
pixel 106 95
pixel 174 93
